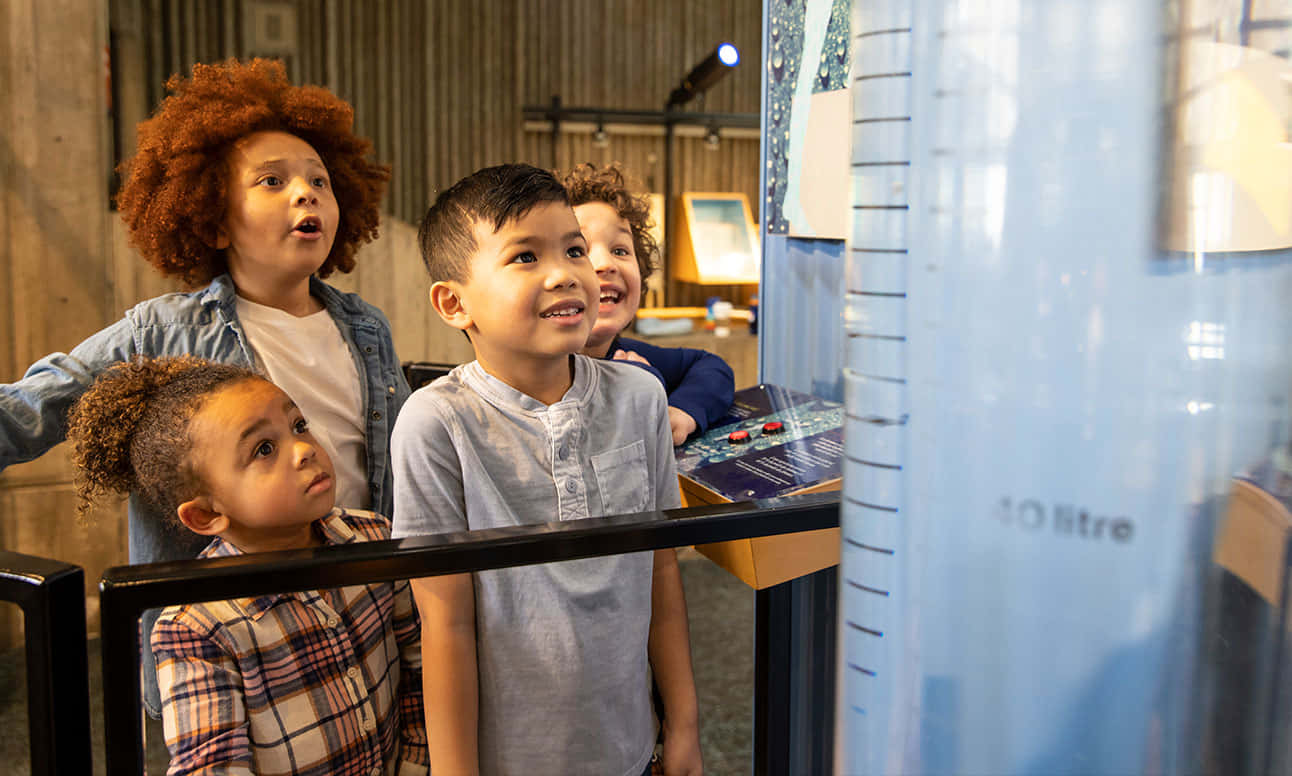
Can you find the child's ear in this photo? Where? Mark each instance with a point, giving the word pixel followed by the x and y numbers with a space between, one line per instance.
pixel 215 236
pixel 198 516
pixel 448 303
pixel 221 240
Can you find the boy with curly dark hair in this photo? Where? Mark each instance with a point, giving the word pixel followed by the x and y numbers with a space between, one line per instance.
pixel 623 252
pixel 257 189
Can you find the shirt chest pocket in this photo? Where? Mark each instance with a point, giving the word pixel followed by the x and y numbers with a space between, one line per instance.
pixel 622 480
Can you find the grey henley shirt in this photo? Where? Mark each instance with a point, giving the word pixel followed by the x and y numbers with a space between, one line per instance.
pixel 561 647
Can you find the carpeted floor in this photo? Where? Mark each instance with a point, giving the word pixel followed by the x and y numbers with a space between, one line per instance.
pixel 722 621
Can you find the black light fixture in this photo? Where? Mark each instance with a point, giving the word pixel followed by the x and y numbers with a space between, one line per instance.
pixel 704 75
pixel 600 138
pixel 712 139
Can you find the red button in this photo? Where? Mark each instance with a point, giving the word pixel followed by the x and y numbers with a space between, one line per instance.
pixel 775 427
pixel 738 437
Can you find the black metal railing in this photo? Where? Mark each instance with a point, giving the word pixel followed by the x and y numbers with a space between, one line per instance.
pixel 52 597
pixel 127 591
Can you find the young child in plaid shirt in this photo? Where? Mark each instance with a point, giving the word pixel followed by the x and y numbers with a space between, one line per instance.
pixel 319 682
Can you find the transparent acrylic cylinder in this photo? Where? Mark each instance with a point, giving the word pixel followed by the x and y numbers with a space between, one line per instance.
pixel 1069 344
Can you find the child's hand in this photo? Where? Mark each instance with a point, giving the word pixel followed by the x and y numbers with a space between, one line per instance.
pixel 681 423
pixel 680 755
pixel 628 355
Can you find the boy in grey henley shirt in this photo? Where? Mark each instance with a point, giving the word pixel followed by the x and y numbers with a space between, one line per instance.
pixel 539 669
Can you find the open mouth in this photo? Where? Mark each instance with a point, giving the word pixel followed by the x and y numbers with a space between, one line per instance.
pixel 611 296
pixel 566 310
pixel 310 225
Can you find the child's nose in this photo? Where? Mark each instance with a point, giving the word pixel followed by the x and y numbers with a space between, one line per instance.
pixel 305 452
pixel 303 193
pixel 601 262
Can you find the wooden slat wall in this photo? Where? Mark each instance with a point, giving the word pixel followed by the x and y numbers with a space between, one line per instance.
pixel 439 86
pixel 57 280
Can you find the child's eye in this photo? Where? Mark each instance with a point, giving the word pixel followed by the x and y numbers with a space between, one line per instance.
pixel 320 182
pixel 263 450
pixel 527 257
pixel 620 252
pixel 301 426
pixel 270 180
pixel 576 252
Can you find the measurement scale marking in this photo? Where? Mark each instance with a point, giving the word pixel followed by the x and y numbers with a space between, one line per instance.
pixel 865 671
pixel 890 466
pixel 878 420
pixel 879 119
pixel 881 207
pixel 897 380
pixel 865 505
pixel 862 587
pixel 859 545
pixel 864 629
pixel 906 163
pixel 901 251
pixel 873 76
pixel 888 294
pixel 885 337
pixel 889 31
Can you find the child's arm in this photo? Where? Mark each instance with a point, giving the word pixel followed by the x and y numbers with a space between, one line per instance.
pixel 203 713
pixel 412 714
pixel 451 690
pixel 669 647
pixel 699 383
pixel 33 411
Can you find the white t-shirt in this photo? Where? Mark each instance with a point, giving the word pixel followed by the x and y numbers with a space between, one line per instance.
pixel 308 358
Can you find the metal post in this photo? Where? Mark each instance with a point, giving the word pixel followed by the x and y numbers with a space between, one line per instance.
pixel 669 239
pixel 122 720
pixel 772 609
pixel 52 597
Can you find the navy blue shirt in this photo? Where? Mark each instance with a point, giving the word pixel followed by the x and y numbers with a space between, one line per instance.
pixel 697 382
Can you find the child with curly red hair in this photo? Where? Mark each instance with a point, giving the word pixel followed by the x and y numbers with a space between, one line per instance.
pixel 616 224
pixel 252 190
pixel 317 682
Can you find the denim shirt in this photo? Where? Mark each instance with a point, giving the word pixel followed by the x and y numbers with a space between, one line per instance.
pixel 33 411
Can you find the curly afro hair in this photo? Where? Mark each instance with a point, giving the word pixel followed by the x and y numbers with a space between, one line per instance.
pixel 588 183
pixel 173 196
pixel 129 431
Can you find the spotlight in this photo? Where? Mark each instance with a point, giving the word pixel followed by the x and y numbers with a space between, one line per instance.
pixel 600 138
pixel 704 75
pixel 712 139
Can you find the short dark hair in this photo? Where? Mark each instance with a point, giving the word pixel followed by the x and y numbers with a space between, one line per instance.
pixel 494 195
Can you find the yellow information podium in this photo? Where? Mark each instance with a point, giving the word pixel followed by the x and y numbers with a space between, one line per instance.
pixel 775 442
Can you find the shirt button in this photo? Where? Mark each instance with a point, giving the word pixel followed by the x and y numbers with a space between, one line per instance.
pixel 332 622
pixel 563 453
pixel 352 672
pixel 367 348
pixel 376 415
pixel 571 485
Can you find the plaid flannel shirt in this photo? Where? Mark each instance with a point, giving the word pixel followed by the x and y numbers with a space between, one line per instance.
pixel 319 682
